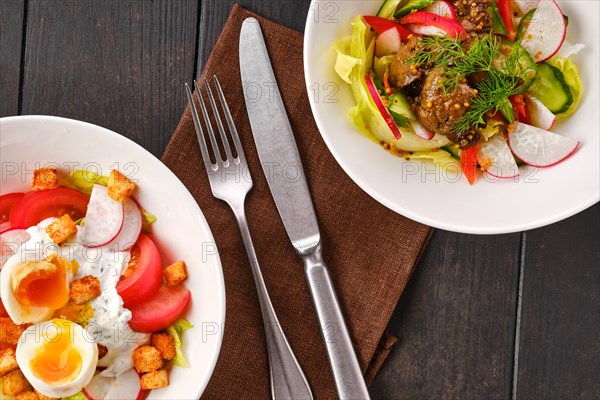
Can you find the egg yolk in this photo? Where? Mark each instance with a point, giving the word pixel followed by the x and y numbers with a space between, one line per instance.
pixel 42 283
pixel 57 361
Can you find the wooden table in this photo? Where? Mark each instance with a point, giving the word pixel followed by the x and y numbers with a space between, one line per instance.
pixel 484 317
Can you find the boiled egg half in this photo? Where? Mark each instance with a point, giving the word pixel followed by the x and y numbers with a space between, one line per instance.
pixel 58 357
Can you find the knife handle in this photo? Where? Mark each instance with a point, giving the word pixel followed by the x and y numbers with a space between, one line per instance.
pixel 348 377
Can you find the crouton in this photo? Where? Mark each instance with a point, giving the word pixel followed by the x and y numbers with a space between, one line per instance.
pixel 45 179
pixel 102 350
pixel 61 229
pixel 155 380
pixel 175 273
pixel 84 289
pixel 165 344
pixel 10 332
pixel 14 383
pixel 8 361
pixel 27 396
pixel 44 397
pixel 119 187
pixel 147 359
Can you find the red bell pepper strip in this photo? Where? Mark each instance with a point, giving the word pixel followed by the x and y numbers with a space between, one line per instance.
pixel 452 27
pixel 468 162
pixel 381 25
pixel 520 109
pixel 507 18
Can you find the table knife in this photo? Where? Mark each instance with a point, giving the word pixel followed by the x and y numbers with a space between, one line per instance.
pixel 282 166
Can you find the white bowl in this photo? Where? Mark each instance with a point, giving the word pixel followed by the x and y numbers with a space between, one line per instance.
pixel 181 231
pixel 420 191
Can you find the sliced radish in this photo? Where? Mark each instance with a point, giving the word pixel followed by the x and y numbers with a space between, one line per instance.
pixel 131 229
pixel 539 114
pixel 441 8
pixel 126 386
pixel 10 241
pixel 420 130
pixel 495 156
pixel 425 30
pixel 546 32
pixel 103 219
pixel 522 7
pixel 384 112
pixel 388 43
pixel 538 147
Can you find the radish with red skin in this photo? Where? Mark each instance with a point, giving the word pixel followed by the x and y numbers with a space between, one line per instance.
pixel 10 241
pixel 546 33
pixel 381 25
pixel 103 219
pixel 449 26
pixel 421 131
pixel 387 43
pixel 539 115
pixel 125 386
pixel 441 8
pixel 131 229
pixel 497 158
pixel 538 147
pixel 382 109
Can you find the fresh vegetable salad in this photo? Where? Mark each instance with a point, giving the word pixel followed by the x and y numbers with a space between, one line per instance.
pixel 88 308
pixel 470 84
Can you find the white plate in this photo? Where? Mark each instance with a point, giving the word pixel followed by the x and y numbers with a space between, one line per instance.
pixel 181 231
pixel 421 192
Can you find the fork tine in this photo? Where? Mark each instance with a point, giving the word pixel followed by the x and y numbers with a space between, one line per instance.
pixel 209 128
pixel 234 133
pixel 198 126
pixel 216 113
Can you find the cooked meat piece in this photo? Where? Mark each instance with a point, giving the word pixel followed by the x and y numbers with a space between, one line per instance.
pixel 403 73
pixel 473 15
pixel 413 89
pixel 465 139
pixel 437 110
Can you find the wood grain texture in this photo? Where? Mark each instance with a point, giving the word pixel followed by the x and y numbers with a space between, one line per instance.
pixel 118 64
pixel 290 13
pixel 11 33
pixel 455 322
pixel 560 321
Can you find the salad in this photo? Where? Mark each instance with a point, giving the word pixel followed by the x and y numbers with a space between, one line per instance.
pixel 87 310
pixel 467 84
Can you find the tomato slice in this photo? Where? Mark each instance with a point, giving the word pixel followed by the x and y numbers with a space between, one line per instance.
pixel 37 206
pixel 161 311
pixel 143 276
pixel 7 201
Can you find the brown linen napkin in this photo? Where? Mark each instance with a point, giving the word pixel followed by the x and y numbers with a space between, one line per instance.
pixel 370 250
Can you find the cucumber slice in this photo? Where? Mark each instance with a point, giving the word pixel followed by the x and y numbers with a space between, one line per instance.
pixel 412 5
pixel 526 68
pixel 453 150
pixel 551 89
pixel 388 8
pixel 399 104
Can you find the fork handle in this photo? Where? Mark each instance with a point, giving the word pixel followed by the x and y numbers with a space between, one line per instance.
pixel 344 363
pixel 287 379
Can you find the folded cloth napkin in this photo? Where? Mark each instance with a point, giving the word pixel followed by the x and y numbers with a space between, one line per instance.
pixel 370 250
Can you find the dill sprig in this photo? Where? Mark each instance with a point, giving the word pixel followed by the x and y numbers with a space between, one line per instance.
pixel 499 83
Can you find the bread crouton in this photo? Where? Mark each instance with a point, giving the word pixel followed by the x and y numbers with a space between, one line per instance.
pixel 10 332
pixel 175 273
pixel 44 397
pixel 147 359
pixel 45 179
pixel 119 187
pixel 8 361
pixel 165 344
pixel 155 380
pixel 27 396
pixel 84 289
pixel 61 229
pixel 14 383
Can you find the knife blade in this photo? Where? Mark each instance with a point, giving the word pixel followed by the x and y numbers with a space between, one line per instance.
pixel 282 166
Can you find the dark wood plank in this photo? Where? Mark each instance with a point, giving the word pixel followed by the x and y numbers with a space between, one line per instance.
pixel 119 64
pixel 290 13
pixel 455 322
pixel 560 319
pixel 11 33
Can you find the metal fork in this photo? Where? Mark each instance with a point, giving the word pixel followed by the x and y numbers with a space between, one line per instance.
pixel 228 184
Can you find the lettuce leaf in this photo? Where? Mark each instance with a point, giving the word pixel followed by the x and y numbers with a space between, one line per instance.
pixel 441 158
pixel 76 396
pixel 355 58
pixel 571 74
pixel 491 128
pixel 147 220
pixel 83 180
pixel 176 330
